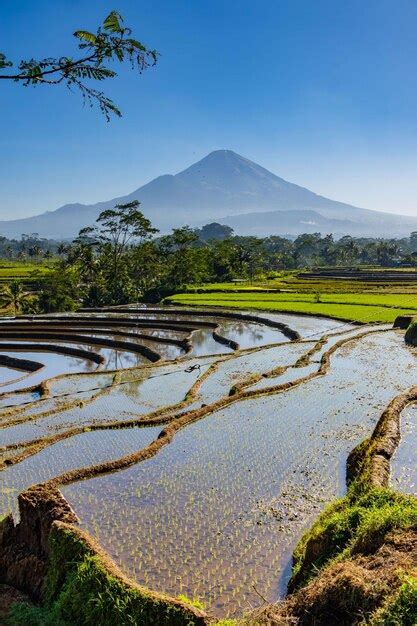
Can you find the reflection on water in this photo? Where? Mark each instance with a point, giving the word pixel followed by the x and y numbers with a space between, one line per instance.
pixel 246 334
pixel 403 464
pixel 251 334
pixel 203 343
pixel 8 375
pixel 220 508
pixel 54 364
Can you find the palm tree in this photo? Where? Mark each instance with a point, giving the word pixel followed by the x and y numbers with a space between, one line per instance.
pixel 62 249
pixel 13 295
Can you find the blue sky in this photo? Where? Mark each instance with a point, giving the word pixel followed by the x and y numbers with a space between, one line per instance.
pixel 323 93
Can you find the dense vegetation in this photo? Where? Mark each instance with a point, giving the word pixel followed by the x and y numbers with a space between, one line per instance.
pixel 123 259
pixel 30 248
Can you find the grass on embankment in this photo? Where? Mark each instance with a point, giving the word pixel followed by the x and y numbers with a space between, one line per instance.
pixel 81 588
pixel 352 525
pixel 361 307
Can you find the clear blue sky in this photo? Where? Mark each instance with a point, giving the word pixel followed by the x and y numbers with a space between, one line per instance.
pixel 323 93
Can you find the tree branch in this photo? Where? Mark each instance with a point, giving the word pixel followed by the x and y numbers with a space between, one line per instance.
pixel 112 42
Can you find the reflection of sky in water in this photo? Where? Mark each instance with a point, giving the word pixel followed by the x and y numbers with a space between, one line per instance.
pixel 167 351
pixel 306 325
pixel 54 364
pixel 8 374
pixel 403 464
pixel 246 334
pixel 250 334
pixel 203 343
pixel 248 479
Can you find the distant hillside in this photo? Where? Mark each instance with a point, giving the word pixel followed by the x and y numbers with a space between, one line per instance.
pixel 227 187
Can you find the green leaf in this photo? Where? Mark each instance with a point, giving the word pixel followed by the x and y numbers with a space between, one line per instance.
pixel 84 34
pixel 112 22
pixel 34 72
pixel 4 62
pixel 136 44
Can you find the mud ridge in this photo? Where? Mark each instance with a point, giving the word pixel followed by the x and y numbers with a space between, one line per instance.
pixel 184 419
pixel 371 460
pixel 27 552
pixel 24 365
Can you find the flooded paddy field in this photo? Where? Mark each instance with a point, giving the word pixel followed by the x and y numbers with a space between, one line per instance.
pixel 220 509
pixel 154 391
pixel 129 337
pixel 403 464
pixel 260 418
pixel 79 451
pixel 53 365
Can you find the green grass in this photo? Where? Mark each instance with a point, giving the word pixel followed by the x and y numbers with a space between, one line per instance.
pixel 342 299
pixel 390 300
pixel 345 306
pixel 411 333
pixel 290 282
pixel 232 287
pixel 353 524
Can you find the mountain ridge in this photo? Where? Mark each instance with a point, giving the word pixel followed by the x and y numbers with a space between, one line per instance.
pixel 224 186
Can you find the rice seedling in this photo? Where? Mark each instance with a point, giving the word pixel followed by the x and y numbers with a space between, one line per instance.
pixel 235 490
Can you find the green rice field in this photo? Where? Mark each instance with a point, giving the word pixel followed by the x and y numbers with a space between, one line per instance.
pixel 366 303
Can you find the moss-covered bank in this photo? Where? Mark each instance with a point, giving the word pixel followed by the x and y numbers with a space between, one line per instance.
pixel 69 578
pixel 411 333
pixel 82 587
pixel 357 565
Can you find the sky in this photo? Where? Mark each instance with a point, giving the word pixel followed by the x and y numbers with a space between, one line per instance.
pixel 322 93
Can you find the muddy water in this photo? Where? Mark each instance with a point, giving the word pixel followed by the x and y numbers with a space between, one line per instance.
pixel 295 373
pixel 161 387
pixel 403 463
pixel 220 509
pixel 82 450
pixel 241 367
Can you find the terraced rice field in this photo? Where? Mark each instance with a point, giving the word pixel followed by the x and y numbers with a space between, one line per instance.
pixel 224 454
pixel 366 296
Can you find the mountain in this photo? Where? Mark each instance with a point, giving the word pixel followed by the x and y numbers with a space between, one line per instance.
pixel 226 187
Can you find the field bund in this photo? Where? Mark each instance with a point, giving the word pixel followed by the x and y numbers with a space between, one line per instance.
pixel 198 477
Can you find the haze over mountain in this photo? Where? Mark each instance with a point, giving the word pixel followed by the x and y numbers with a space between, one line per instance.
pixel 229 188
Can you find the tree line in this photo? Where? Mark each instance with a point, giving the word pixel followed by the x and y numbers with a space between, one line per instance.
pixel 122 258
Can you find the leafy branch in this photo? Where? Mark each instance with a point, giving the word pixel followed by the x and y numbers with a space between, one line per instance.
pixel 112 42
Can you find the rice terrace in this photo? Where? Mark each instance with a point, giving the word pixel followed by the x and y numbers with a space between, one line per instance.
pixel 208 389
pixel 196 446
